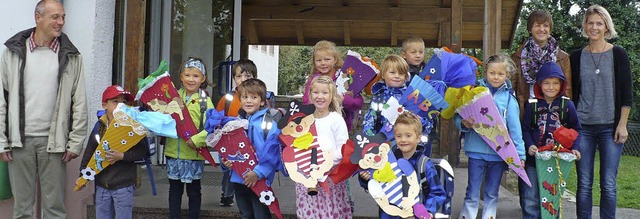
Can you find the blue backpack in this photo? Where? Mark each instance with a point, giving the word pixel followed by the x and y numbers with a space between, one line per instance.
pixel 446 177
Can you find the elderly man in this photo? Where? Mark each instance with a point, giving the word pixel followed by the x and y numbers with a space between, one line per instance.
pixel 43 112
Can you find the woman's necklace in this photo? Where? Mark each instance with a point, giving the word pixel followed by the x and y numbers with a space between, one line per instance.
pixel 599 59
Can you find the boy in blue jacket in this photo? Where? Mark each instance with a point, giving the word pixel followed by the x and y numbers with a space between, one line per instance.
pixel 407 132
pixel 252 93
pixel 542 116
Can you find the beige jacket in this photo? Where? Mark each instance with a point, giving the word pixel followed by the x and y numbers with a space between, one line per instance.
pixel 69 123
pixel 522 88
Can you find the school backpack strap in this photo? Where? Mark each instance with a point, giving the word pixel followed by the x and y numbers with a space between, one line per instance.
pixel 564 110
pixel 270 118
pixel 533 103
pixel 422 173
pixel 228 98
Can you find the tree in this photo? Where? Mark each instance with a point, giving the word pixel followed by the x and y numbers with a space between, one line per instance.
pixel 567 30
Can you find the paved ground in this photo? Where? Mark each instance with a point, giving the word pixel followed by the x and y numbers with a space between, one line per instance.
pixel 146 204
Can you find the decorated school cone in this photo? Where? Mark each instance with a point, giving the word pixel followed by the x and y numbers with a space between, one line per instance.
pixel 232 143
pixel 158 92
pixel 5 186
pixel 356 73
pixel 302 156
pixel 477 103
pixel 554 163
pixel 123 133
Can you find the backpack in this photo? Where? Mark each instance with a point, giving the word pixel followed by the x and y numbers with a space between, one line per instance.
pixel 564 111
pixel 446 179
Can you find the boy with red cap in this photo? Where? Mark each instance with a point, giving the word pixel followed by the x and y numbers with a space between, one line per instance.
pixel 115 184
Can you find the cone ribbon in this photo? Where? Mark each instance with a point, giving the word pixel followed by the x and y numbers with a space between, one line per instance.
pixel 157 92
pixel 232 143
pixel 490 126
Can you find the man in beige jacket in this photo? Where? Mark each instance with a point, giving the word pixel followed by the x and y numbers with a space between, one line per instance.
pixel 43 112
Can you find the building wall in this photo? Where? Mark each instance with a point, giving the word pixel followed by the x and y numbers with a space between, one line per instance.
pixel 89 25
pixel 266 59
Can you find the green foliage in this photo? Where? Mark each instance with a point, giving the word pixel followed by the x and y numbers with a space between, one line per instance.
pixel 567 30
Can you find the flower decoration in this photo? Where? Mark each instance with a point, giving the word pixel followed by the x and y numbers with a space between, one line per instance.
pixel 88 173
pixel 544 199
pixel 165 88
pixel 485 111
pixel 246 156
pixel 123 141
pixel 116 125
pixel 223 149
pixel 350 71
pixel 105 142
pixel 241 145
pixel 266 197
pixel 251 162
pixel 130 134
pixel 549 169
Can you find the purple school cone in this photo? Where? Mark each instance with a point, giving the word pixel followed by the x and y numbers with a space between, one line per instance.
pixel 355 74
pixel 490 126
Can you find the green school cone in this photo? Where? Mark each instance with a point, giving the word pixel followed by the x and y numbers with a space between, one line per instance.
pixel 5 187
pixel 553 170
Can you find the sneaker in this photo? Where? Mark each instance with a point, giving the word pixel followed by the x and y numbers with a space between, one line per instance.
pixel 226 201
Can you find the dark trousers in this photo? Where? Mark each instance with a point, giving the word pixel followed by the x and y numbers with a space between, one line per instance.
pixel 176 188
pixel 248 203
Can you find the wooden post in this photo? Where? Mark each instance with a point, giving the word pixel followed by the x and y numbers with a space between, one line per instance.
pixel 492 42
pixel 134 47
pixel 448 131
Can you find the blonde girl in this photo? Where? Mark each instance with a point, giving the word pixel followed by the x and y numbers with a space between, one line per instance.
pixel 332 134
pixel 326 60
pixel 184 165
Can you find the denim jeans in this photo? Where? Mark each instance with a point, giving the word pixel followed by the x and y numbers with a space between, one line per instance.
pixel 492 172
pixel 120 200
pixel 598 137
pixel 249 204
pixel 176 188
pixel 529 196
pixel 227 185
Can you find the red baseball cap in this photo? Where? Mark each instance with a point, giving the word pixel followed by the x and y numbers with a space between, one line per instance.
pixel 114 91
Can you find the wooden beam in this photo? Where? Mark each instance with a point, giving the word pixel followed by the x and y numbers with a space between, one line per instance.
pixel 492 27
pixel 394 3
pixel 347 33
pixel 134 44
pixel 253 33
pixel 354 13
pixel 394 35
pixel 299 32
pixel 444 33
pixel 345 2
pixel 456 26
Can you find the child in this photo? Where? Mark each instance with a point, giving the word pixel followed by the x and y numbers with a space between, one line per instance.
pixel 115 184
pixel 326 61
pixel 332 133
pixel 184 164
pixel 407 132
pixel 542 116
pixel 252 94
pixel 413 52
pixel 484 163
pixel 394 73
pixel 243 69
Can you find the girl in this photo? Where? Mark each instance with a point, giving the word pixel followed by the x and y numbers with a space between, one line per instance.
pixel 332 133
pixel 326 61
pixel 184 164
pixel 484 164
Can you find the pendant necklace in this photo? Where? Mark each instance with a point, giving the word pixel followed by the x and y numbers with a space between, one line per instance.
pixel 599 59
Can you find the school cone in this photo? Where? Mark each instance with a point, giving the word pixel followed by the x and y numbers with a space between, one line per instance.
pixel 5 186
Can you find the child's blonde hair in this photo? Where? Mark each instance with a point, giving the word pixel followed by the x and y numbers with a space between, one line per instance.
pixel 395 62
pixel 334 106
pixel 328 46
pixel 501 58
pixel 409 40
pixel 410 119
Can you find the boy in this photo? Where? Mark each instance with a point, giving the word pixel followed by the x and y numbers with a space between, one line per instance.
pixel 542 116
pixel 243 69
pixel 407 131
pixel 114 184
pixel 413 53
pixel 252 93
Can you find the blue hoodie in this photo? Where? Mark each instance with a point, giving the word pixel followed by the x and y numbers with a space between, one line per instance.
pixel 267 150
pixel 474 146
pixel 540 132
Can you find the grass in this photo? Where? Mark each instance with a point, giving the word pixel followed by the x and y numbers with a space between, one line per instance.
pixel 628 182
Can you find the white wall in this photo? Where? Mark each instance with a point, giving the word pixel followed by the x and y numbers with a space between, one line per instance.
pixel 89 25
pixel 267 64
